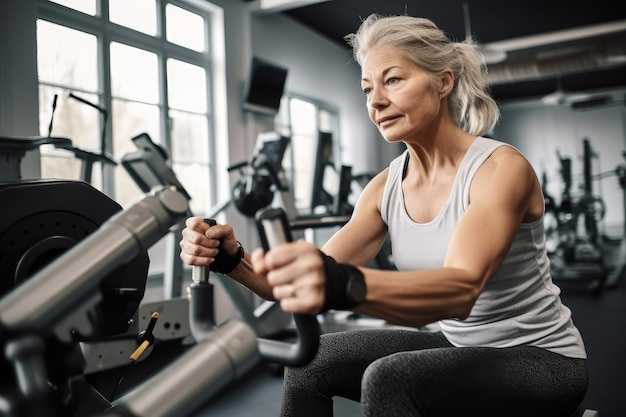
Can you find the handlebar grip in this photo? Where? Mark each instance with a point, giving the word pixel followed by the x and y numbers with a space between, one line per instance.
pixel 200 274
pixel 273 228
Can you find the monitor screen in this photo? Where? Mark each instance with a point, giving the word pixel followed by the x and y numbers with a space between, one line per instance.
pixel 265 87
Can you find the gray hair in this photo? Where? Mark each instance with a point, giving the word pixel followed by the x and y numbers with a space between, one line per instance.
pixel 470 103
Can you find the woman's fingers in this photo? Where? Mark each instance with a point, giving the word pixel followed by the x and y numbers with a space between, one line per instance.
pixel 301 297
pixel 296 273
pixel 196 247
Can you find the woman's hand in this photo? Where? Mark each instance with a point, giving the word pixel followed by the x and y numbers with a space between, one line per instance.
pixel 200 242
pixel 295 271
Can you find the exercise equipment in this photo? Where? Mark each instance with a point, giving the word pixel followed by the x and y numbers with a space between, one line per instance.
pixel 261 176
pixel 42 219
pixel 56 306
pixel 148 167
pixel 550 217
pixel 43 319
pixel 231 350
pixel 88 158
pixel 618 270
pixel 104 115
pixel 13 150
pixel 581 257
pixel 263 184
pixel 578 259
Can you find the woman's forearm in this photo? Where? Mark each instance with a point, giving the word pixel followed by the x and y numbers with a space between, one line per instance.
pixel 419 298
pixel 245 275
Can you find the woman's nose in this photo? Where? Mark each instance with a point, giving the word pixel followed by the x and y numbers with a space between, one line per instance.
pixel 377 99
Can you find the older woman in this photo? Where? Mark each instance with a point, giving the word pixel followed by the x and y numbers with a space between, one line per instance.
pixel 464 215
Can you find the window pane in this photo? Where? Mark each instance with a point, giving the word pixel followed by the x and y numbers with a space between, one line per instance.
pixel 72 119
pixel 190 153
pixel 139 15
pixel 195 179
pixel 85 6
pixel 185 28
pixel 129 120
pixel 189 137
pixel 134 74
pixel 328 121
pixel 75 66
pixel 303 116
pixel 186 86
pixel 70 61
pixel 303 144
pixel 62 165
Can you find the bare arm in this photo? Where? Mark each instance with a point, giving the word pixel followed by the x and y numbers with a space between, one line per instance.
pixel 504 192
pixel 199 246
pixel 357 242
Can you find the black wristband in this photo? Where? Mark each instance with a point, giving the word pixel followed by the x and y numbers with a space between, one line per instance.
pixel 345 285
pixel 225 263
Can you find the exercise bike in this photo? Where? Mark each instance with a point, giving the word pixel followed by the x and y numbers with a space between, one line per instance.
pixel 44 319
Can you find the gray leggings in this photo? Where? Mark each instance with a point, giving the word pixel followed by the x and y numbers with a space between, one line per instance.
pixel 409 373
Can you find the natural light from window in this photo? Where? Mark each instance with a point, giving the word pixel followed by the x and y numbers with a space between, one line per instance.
pixel 140 15
pixel 127 70
pixel 185 28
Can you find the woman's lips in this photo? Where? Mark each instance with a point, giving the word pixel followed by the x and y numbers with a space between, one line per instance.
pixel 386 121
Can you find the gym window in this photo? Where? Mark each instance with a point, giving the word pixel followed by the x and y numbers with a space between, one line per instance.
pixel 144 66
pixel 308 120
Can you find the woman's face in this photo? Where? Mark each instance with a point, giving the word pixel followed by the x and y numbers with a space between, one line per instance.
pixel 401 99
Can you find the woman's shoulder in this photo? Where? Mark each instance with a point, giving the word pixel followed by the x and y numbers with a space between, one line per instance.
pixel 505 168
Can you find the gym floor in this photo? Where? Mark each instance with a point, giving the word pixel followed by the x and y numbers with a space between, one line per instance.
pixel 601 319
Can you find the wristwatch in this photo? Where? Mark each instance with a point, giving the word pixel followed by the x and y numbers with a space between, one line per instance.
pixel 356 289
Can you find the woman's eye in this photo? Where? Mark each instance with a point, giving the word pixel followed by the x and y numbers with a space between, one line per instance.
pixel 392 80
pixel 367 90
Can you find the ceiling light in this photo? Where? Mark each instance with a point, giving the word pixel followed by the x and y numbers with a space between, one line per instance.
pixel 282 5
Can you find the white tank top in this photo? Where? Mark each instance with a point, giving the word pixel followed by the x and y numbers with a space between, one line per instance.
pixel 520 305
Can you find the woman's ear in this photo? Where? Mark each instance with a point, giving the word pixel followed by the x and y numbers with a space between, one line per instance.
pixel 446 82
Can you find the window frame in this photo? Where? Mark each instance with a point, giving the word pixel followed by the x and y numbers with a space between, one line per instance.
pixel 107 32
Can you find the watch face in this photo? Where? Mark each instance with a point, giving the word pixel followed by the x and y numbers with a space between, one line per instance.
pixel 356 289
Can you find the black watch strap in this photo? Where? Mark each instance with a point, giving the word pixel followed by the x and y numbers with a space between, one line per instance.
pixel 355 287
pixel 225 263
pixel 345 285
